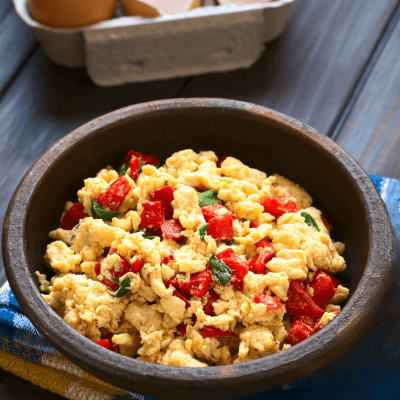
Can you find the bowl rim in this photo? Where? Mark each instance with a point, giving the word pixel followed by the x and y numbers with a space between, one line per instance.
pixel 296 361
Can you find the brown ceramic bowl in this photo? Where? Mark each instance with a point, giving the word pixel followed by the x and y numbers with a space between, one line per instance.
pixel 261 138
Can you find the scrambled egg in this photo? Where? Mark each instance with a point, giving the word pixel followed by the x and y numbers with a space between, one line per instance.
pixel 137 292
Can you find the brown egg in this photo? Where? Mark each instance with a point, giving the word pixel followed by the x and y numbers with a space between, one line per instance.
pixel 71 13
pixel 155 8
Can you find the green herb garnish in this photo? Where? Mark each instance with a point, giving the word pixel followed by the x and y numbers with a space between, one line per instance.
pixel 230 243
pixel 144 234
pixel 166 183
pixel 116 280
pixel 124 289
pixel 140 170
pixel 220 271
pixel 203 231
pixel 73 236
pixel 122 170
pixel 310 221
pixel 208 198
pixel 99 212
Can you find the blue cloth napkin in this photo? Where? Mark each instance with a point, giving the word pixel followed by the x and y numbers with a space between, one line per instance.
pixel 371 370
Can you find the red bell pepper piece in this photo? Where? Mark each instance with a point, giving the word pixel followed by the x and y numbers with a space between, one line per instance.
pixel 279 205
pixel 172 230
pixel 238 267
pixel 221 160
pixel 271 302
pixel 320 273
pixel 250 265
pixel 106 343
pixel 123 269
pixel 182 329
pixel 267 252
pixel 298 333
pixel 221 227
pixel 187 302
pixel 72 217
pixel 113 286
pixel 212 331
pixel 134 168
pixel 152 215
pixel 317 327
pixel 113 196
pixel 166 196
pixel 323 290
pixel 210 212
pixel 208 307
pixel 198 285
pixel 137 265
pixel 299 301
pixel 143 158
pixel 254 224
pixel 326 223
pixel 167 259
pixel 306 319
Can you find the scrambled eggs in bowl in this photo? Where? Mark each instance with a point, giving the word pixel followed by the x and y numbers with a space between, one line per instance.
pixel 199 262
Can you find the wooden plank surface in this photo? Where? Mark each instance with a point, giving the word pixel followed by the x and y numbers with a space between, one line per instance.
pixel 371 133
pixel 310 72
pixel 16 43
pixel 46 102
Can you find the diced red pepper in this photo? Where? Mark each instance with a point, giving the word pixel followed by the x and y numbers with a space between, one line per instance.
pixel 123 269
pixel 137 265
pixel 198 285
pixel 221 227
pixel 72 217
pixel 221 160
pixel 326 223
pixel 238 267
pixel 298 333
pixel 254 224
pixel 267 252
pixel 272 303
pixel 187 302
pixel 210 212
pixel 323 290
pixel 97 268
pixel 152 215
pixel 299 301
pixel 182 329
pixel 320 273
pixel 105 343
pixel 279 205
pixel 134 168
pixel 212 331
pixel 166 196
pixel 113 196
pixel 172 230
pixel 143 158
pixel 167 259
pixel 317 327
pixel 227 253
pixel 306 319
pixel 250 265
pixel 208 307
pixel 113 286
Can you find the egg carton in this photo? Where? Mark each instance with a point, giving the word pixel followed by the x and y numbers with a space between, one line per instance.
pixel 135 49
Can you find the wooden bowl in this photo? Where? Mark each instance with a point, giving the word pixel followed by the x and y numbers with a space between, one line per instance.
pixel 259 137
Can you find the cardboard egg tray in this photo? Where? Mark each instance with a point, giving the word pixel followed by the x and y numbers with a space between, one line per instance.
pixel 135 49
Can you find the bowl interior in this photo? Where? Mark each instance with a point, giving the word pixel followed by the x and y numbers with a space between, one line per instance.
pixel 257 142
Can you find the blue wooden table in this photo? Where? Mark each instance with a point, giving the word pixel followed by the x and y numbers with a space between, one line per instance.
pixel 336 68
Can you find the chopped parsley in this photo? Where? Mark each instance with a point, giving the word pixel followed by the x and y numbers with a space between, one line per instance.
pixel 203 231
pixel 99 212
pixel 122 170
pixel 310 221
pixel 124 289
pixel 220 271
pixel 208 198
